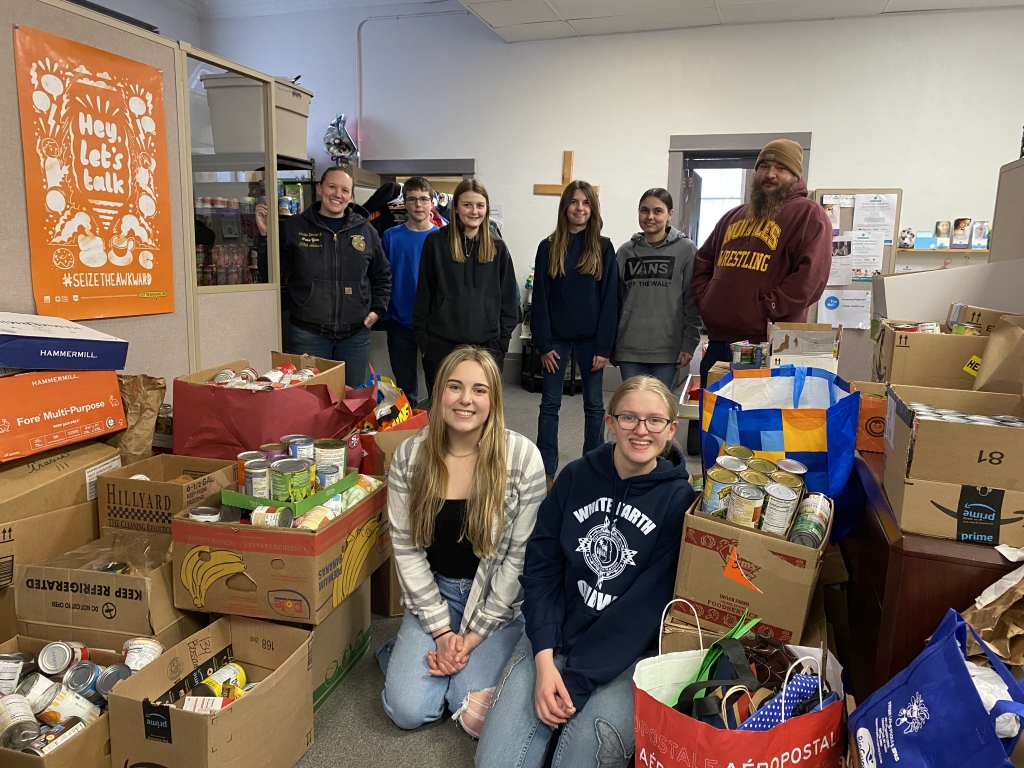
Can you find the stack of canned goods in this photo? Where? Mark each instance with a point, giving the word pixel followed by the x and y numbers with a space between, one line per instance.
pixel 217 691
pixel 929 327
pixel 925 412
pixel 284 375
pixel 745 353
pixel 46 700
pixel 769 496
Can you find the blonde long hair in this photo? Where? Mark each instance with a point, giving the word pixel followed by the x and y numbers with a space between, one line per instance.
pixel 487 249
pixel 647 384
pixel 486 503
pixel 591 262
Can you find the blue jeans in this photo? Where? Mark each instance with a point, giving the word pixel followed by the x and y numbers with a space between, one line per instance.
pixel 412 697
pixel 663 372
pixel 598 736
pixel 551 401
pixel 404 356
pixel 353 351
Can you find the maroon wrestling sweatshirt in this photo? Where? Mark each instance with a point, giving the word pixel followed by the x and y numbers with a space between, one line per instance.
pixel 749 272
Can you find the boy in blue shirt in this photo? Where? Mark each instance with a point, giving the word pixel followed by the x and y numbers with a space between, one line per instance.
pixel 402 246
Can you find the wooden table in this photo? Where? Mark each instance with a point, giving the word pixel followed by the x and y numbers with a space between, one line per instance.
pixel 901 585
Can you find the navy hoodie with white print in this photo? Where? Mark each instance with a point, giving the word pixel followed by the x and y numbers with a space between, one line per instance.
pixel 601 565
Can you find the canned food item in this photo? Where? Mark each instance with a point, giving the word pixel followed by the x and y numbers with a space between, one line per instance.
pixel 717 486
pixel 36 688
pixel 272 451
pixel 28 661
pixel 929 328
pixel 11 665
pixel 18 726
pixel 745 503
pixel 754 478
pixel 230 514
pixel 224 376
pixel 81 678
pixel 272 517
pixel 792 466
pixel 203 704
pixel 327 475
pixel 139 477
pixel 54 737
pixel 289 480
pixel 257 478
pixel 244 457
pixel 929 417
pixel 60 704
pixel 249 687
pixel 204 514
pixel 110 677
pixel 811 523
pixel 314 518
pixel 247 375
pixel 119 566
pixel 948 412
pixel 780 505
pixel 787 479
pixel 330 451
pixel 56 658
pixel 140 651
pixel 732 463
pixel 311 466
pixel 967 329
pixel 761 465
pixel 301 447
pixel 213 686
pixel 739 451
pixel 905 327
pixel 365 485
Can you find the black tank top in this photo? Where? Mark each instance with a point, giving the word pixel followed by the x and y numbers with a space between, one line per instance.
pixel 446 554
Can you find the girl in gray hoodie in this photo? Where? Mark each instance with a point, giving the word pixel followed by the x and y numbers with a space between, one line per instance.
pixel 659 325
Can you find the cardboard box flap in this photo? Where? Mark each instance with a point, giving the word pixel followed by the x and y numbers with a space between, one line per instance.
pixel 24 542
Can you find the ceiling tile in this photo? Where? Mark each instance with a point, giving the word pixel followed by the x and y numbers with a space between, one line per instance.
pixel 594 9
pixel 894 6
pixel 796 10
pixel 544 30
pixel 506 13
pixel 645 22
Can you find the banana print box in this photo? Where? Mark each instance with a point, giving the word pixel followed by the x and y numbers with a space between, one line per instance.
pixel 292 575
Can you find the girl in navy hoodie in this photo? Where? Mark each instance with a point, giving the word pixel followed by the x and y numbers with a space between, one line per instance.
pixel 575 305
pixel 600 567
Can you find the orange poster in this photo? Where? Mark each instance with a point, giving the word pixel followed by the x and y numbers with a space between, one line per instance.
pixel 99 214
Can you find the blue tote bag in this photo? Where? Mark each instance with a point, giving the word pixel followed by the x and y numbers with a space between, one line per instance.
pixel 930 714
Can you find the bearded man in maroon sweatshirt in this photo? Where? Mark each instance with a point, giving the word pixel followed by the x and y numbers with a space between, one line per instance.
pixel 767 260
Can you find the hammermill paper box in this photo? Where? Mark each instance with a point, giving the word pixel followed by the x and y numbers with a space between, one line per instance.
pixel 272 725
pixel 726 569
pixel 88 749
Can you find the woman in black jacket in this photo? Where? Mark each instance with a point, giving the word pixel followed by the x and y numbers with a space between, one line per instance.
pixel 466 292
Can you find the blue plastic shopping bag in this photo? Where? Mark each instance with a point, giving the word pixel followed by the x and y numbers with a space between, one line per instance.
pixel 807 414
pixel 930 714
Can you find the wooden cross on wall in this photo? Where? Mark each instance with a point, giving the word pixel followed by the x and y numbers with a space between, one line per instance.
pixel 557 189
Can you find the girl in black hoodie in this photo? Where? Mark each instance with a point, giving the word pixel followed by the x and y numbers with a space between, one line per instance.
pixel 466 292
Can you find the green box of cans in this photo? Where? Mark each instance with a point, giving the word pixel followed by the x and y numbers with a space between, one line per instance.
pixel 298 507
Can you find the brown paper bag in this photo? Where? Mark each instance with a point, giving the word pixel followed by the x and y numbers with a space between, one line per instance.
pixel 1002 366
pixel 142 397
pixel 1001 625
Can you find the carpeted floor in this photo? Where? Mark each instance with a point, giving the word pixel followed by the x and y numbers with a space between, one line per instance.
pixel 351 728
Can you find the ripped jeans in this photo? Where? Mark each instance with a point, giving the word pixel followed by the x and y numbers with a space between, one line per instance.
pixel 412 696
pixel 600 736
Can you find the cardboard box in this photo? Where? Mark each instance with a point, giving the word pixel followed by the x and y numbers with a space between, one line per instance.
pixel 339 642
pixel 88 749
pixel 386 591
pixel 965 313
pixel 927 359
pixel 53 343
pixel 871 421
pixel 149 505
pixel 63 594
pixel 804 344
pixel 285 574
pixel 42 410
pixel 718 371
pixel 780 576
pixel 689 407
pixel 389 441
pixel 272 725
pixel 968 454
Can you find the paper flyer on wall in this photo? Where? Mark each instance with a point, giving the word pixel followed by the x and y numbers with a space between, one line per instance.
pixel 94 142
pixel 831 205
pixel 866 249
pixel 876 213
pixel 848 308
pixel 841 271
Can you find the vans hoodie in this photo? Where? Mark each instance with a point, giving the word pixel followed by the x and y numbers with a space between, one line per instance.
pixel 467 303
pixel 749 272
pixel 601 565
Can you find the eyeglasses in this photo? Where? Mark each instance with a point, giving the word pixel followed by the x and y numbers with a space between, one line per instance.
pixel 654 424
pixel 417 201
